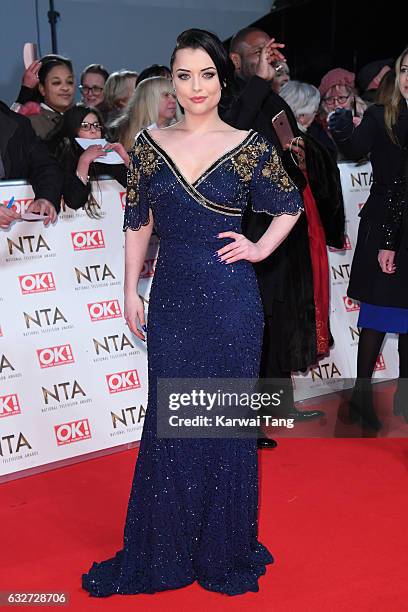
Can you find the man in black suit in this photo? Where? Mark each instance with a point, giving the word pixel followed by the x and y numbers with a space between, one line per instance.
pixel 285 278
pixel 24 156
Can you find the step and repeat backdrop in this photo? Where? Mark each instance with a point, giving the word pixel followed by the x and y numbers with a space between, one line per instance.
pixel 73 379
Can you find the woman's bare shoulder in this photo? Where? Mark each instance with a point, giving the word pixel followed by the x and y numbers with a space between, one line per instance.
pixel 162 135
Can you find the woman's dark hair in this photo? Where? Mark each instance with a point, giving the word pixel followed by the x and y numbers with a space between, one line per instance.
pixel 62 143
pixel 153 71
pixel 95 69
pixel 48 62
pixel 209 42
pixel 70 123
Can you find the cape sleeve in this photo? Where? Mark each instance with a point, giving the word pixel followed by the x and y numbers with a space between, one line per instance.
pixel 272 191
pixel 137 207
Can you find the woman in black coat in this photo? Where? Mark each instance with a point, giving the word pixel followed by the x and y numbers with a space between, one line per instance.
pixel 81 166
pixel 379 273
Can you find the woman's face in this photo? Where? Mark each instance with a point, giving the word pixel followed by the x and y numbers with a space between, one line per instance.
pixel 196 81
pixel 59 88
pixel 403 78
pixel 92 89
pixel 167 108
pixel 338 96
pixel 90 127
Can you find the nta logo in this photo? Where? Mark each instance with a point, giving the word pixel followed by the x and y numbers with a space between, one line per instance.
pixel 94 273
pixel 27 244
pixel 44 317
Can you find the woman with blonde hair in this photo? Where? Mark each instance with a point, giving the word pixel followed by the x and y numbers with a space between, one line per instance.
pixel 153 103
pixel 119 87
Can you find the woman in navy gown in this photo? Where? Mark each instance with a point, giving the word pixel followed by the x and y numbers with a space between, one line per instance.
pixel 192 513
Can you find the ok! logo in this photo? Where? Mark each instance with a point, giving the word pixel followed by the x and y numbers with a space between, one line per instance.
pixel 87 240
pixel 350 305
pixel 9 405
pixel 123 381
pixel 53 356
pixel 75 431
pixel 101 311
pixel 39 282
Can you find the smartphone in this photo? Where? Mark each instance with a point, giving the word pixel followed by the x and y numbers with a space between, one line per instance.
pixel 281 125
pixel 29 53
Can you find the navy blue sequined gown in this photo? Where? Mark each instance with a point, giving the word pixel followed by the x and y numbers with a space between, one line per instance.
pixel 192 512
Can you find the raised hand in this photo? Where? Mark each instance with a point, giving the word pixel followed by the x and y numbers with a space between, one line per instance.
pixel 92 153
pixel 30 76
pixel 270 53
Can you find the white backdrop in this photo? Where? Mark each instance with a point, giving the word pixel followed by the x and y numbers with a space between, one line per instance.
pixel 73 379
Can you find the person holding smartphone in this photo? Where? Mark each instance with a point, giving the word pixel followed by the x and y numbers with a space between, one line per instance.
pixel 337 90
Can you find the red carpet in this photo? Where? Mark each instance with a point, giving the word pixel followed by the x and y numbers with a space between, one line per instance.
pixel 333 513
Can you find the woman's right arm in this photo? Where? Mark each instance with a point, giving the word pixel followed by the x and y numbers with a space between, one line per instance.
pixel 136 244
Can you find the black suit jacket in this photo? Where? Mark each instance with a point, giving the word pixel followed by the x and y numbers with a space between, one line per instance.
pixel 24 156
